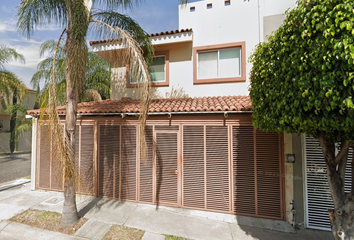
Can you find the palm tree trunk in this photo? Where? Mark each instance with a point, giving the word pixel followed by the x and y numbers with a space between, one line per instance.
pixel 75 78
pixel 69 214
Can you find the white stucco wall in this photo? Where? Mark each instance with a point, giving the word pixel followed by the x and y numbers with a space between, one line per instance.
pixel 247 21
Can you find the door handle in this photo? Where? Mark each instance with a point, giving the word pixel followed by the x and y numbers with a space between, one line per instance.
pixel 176 172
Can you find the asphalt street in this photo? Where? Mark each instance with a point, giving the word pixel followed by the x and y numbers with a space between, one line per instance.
pixel 14 166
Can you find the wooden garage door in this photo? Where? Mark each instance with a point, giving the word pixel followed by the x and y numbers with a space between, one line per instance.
pixel 146 173
pixel 84 150
pixel 206 172
pixel 128 164
pixel 108 162
pixel 49 176
pixel 166 168
pixel 117 162
pixel 257 173
pixel 232 169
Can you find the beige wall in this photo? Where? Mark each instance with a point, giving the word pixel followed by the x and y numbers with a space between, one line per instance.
pixel 4 142
pixel 29 100
pixel 180 57
pixel 289 178
pixel 24 143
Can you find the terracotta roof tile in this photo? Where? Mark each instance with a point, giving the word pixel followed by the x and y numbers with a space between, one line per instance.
pixel 171 105
pixel 150 35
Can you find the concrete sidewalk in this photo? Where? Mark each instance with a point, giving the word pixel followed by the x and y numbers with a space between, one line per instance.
pixel 103 213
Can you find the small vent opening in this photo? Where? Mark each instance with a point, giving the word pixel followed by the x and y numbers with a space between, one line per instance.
pixel 192 9
pixel 227 3
pixel 209 6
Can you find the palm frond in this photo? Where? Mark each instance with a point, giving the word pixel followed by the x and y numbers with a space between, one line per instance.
pixel 33 14
pixel 49 47
pixel 8 54
pixel 114 4
pixel 11 84
pixel 124 22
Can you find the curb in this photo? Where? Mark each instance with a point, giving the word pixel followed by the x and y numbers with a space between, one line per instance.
pixel 13 184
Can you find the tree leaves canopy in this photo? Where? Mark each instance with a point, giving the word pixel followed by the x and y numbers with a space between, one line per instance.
pixel 302 79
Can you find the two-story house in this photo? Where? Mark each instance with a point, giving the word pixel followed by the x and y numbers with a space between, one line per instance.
pixel 203 152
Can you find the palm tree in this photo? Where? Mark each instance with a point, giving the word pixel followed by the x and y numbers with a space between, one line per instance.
pixel 11 87
pixel 76 17
pixel 97 81
pixel 10 84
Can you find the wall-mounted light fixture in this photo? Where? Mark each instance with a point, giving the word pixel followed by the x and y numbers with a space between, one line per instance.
pixel 290 158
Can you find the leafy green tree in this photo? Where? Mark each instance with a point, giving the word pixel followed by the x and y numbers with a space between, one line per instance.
pixel 302 81
pixel 97 81
pixel 77 17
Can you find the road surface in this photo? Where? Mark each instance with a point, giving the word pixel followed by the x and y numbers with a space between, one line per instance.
pixel 14 166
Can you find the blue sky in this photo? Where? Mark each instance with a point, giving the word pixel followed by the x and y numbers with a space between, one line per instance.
pixel 153 15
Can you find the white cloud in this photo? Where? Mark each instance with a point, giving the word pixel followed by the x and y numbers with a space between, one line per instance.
pixel 6 26
pixel 48 27
pixel 31 53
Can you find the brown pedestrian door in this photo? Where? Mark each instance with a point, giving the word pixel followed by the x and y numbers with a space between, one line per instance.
pixel 167 169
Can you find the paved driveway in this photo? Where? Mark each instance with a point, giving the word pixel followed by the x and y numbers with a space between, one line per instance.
pixel 14 166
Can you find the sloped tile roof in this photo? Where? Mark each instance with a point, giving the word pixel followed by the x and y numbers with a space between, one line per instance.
pixel 170 105
pixel 150 35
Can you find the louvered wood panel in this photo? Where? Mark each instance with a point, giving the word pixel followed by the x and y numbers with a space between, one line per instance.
pixel 268 175
pixel 56 173
pixel 193 167
pixel 319 198
pixel 109 145
pixel 166 167
pixel 86 159
pixel 244 170
pixel 217 168
pixel 166 128
pixel 128 163
pixel 146 170
pixel 77 157
pixel 44 158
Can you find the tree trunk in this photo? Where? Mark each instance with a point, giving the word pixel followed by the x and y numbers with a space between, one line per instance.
pixel 342 219
pixel 13 126
pixel 76 60
pixel 69 213
pixel 342 216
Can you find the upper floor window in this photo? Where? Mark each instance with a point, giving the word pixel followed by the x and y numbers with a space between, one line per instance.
pixel 158 71
pixel 219 63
